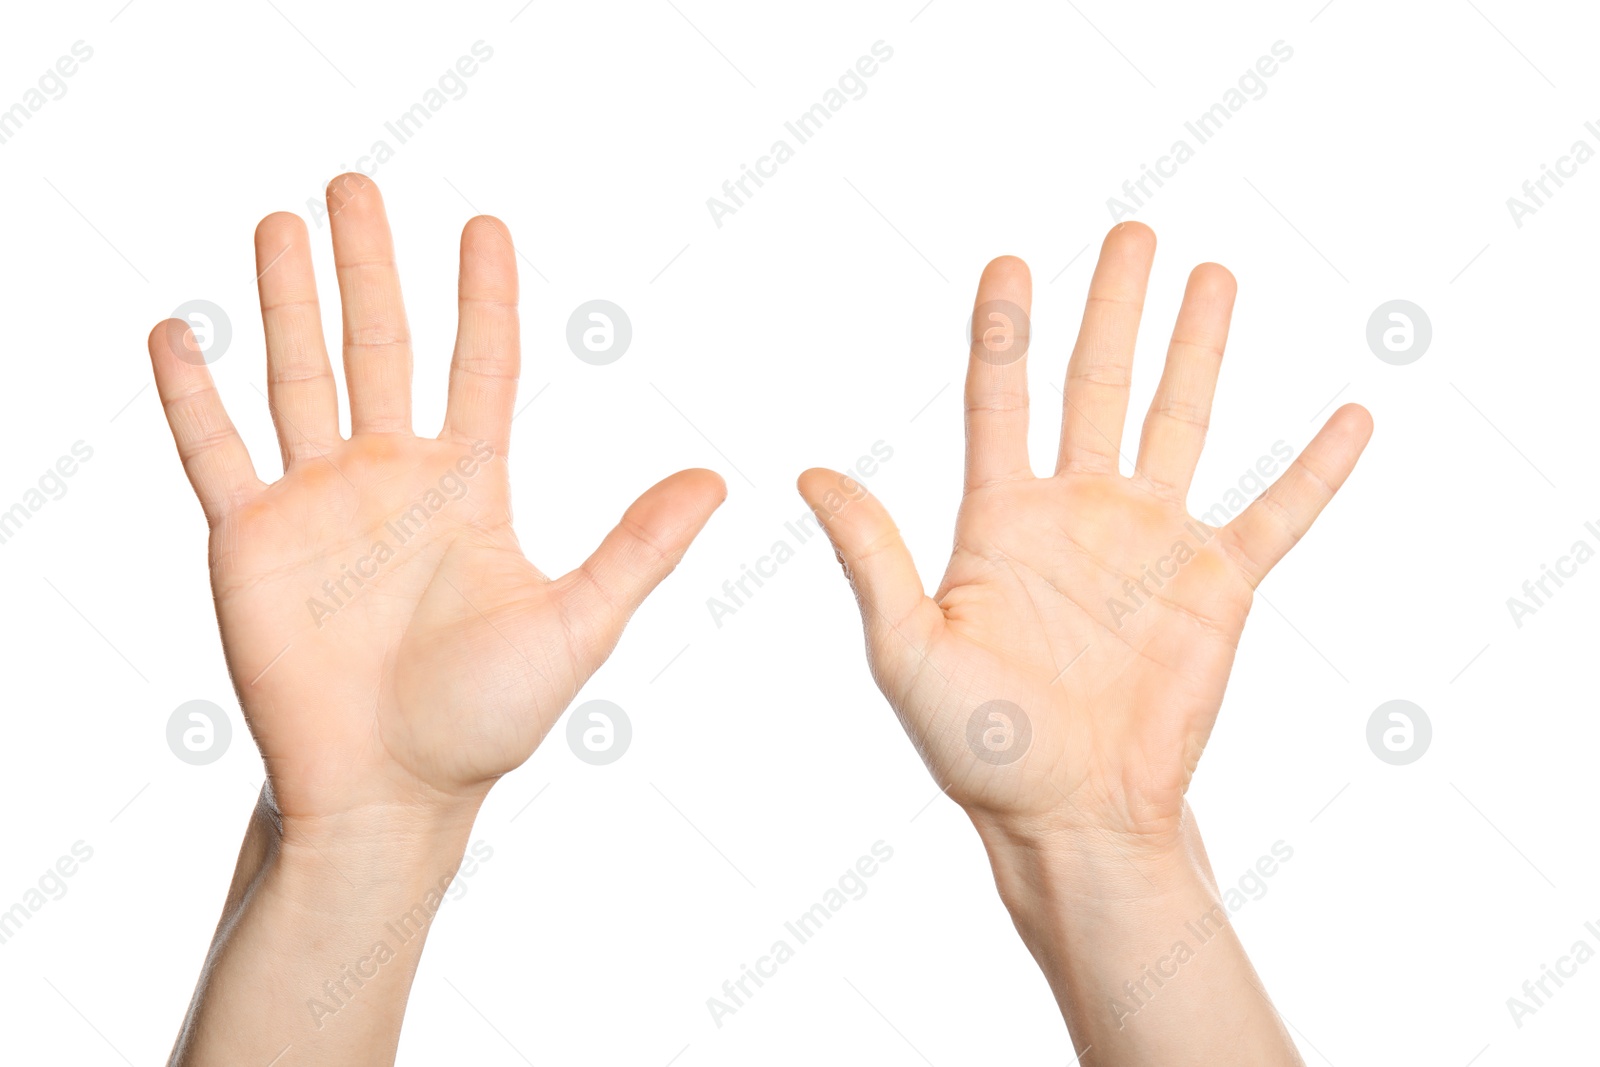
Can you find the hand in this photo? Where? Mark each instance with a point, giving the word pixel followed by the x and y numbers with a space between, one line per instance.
pixel 1066 674
pixel 390 644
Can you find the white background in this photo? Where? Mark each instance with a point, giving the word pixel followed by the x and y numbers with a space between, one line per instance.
pixel 826 315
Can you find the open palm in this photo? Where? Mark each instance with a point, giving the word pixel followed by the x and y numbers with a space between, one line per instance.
pixel 1071 664
pixel 388 640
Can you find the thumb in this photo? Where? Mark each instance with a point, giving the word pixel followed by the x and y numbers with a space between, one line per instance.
pixel 875 557
pixel 656 530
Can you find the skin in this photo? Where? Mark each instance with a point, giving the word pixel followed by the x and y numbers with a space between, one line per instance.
pixel 385 716
pixel 1094 848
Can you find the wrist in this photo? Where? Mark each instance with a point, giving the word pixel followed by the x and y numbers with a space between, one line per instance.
pixel 409 824
pixel 1068 836
pixel 338 861
pixel 1136 942
pixel 336 910
pixel 1043 860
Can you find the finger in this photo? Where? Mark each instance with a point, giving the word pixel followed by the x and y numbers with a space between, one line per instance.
pixel 213 455
pixel 377 341
pixel 300 385
pixel 1270 526
pixel 1095 401
pixel 483 372
pixel 655 532
pixel 1175 430
pixel 875 557
pixel 997 375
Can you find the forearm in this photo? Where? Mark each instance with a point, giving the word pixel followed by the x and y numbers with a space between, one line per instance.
pixel 1138 949
pixel 320 938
